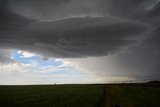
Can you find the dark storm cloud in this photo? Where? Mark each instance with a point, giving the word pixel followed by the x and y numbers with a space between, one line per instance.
pixel 155 11
pixel 80 41
pixel 69 36
pixel 141 61
pixel 84 28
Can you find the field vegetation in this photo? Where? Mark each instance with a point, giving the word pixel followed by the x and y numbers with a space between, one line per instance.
pixel 102 95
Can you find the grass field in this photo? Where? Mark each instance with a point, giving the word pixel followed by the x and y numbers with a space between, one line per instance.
pixel 80 96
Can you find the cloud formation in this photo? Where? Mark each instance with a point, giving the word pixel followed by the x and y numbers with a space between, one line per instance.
pixel 5 56
pixel 32 70
pixel 127 30
pixel 71 36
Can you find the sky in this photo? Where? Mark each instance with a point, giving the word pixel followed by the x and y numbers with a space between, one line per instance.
pixel 79 41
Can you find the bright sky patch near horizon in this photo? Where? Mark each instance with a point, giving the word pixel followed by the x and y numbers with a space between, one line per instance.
pixel 30 68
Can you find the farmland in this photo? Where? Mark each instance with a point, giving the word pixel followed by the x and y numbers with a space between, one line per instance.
pixel 98 95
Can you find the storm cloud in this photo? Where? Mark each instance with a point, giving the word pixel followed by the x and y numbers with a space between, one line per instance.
pixel 125 29
pixel 73 36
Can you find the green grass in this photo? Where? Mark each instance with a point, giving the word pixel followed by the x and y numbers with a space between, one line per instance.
pixel 143 97
pixel 79 96
pixel 50 96
pixel 133 95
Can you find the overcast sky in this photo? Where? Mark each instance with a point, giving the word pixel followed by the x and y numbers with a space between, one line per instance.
pixel 79 41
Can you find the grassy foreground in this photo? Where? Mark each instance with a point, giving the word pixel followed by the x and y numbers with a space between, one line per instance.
pixel 80 96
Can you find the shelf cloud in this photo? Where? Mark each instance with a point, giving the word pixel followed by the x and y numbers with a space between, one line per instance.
pixel 69 36
pixel 127 30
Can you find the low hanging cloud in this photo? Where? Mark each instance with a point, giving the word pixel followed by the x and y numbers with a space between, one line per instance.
pixel 126 30
pixel 71 36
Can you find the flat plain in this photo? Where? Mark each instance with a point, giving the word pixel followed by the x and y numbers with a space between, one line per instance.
pixel 81 95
